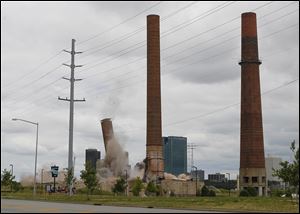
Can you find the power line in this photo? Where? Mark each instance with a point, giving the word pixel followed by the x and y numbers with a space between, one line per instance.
pixel 30 83
pixel 128 35
pixel 229 106
pixel 265 4
pixel 180 68
pixel 33 70
pixel 141 29
pixel 126 20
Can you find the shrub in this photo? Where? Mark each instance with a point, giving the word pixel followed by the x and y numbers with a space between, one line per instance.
pixel 252 191
pixel 204 191
pixel 244 193
pixel 212 193
pixel 120 186
pixel 277 192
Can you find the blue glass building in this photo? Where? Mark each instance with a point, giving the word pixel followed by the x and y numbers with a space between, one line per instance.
pixel 175 154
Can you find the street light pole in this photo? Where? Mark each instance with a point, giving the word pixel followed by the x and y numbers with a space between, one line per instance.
pixel 12 174
pixel 196 177
pixel 228 183
pixel 36 147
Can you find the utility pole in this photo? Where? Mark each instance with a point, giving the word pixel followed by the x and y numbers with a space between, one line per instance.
pixel 192 146
pixel 71 100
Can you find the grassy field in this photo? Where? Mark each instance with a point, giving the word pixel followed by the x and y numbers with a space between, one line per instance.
pixel 222 203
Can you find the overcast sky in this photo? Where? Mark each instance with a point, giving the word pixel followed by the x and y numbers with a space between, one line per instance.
pixel 200 82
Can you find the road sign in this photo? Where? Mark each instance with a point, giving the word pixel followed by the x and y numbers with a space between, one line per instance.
pixel 54 171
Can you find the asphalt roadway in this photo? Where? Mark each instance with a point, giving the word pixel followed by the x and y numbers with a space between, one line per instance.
pixel 26 206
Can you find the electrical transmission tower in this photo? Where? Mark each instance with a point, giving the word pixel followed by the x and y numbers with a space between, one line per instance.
pixel 71 100
pixel 192 146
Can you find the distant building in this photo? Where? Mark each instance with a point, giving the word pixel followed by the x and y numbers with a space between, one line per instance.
pixel 175 154
pixel 272 162
pixel 200 174
pixel 92 155
pixel 216 177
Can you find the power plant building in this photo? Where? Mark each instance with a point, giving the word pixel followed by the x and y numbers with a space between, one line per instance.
pixel 175 154
pixel 92 155
pixel 252 157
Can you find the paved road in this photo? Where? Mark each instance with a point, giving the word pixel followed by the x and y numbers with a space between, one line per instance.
pixel 25 206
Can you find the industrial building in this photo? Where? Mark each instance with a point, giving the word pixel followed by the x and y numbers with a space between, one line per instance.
pixel 272 163
pixel 218 177
pixel 252 157
pixel 199 174
pixel 175 154
pixel 92 155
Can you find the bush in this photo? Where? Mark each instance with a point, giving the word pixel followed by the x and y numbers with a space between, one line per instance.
pixel 244 193
pixel 120 186
pixel 252 191
pixel 212 193
pixel 277 192
pixel 204 191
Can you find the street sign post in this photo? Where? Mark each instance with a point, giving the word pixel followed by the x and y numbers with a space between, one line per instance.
pixel 54 172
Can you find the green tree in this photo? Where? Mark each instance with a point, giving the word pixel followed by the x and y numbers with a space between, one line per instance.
pixel 120 186
pixel 89 178
pixel 289 172
pixel 17 186
pixel 137 186
pixel 151 189
pixel 69 177
pixel 6 178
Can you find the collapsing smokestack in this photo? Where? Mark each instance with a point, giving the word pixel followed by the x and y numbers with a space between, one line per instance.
pixel 252 158
pixel 116 159
pixel 107 131
pixel 154 153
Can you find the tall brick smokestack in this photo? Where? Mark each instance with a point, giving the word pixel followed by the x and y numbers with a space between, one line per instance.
pixel 107 131
pixel 252 158
pixel 154 153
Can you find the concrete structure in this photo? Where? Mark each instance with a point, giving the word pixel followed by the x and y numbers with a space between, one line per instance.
pixel 107 131
pixel 154 150
pixel 175 154
pixel 272 162
pixel 180 187
pixel 92 155
pixel 252 158
pixel 218 177
pixel 200 174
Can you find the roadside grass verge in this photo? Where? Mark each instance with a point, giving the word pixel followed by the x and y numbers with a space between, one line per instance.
pixel 221 203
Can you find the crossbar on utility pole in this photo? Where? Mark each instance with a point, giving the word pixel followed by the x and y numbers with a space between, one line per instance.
pixel 72 80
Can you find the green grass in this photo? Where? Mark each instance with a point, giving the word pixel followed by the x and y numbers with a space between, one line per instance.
pixel 221 203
